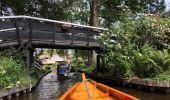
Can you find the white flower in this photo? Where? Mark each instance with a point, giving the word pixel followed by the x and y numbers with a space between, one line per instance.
pixel 139 54
pixel 95 37
pixel 18 82
pixel 113 41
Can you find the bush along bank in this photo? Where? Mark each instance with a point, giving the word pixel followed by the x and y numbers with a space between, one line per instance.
pixel 13 73
pixel 137 46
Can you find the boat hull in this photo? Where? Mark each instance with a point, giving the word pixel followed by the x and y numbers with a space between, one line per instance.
pixel 90 90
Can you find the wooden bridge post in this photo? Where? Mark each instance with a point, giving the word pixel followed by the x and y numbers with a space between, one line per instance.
pixel 18 34
pixel 98 60
pixel 29 61
pixel 77 57
pixel 54 32
pixel 30 32
pixel 29 57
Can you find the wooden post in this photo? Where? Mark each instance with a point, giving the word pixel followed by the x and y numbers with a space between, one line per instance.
pixel 29 57
pixel 76 56
pixel 139 87
pixel 25 91
pixel 98 62
pixel 17 94
pixel 30 32
pixel 88 37
pixel 88 58
pixel 29 61
pixel 54 32
pixel 29 90
pixel 9 97
pixel 72 37
pixel 18 33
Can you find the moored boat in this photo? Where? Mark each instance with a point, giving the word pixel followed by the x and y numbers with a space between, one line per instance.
pixel 90 90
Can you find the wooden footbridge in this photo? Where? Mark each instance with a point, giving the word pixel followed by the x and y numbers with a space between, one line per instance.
pixel 25 31
pixel 30 32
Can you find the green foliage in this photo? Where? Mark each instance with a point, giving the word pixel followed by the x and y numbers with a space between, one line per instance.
pixel 78 11
pixel 113 10
pixel 78 63
pixel 81 53
pixel 90 69
pixel 162 76
pixel 140 48
pixel 51 52
pixel 47 67
pixel 12 71
pixel 51 9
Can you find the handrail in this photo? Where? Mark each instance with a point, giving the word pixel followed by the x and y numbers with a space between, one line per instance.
pixel 54 21
pixel 8 29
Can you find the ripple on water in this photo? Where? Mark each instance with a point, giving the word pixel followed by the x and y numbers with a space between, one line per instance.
pixel 50 88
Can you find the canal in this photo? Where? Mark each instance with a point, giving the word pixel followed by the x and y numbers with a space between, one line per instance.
pixel 50 89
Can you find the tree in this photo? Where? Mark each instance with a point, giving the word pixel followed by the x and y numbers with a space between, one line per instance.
pixel 58 10
pixel 111 9
pixel 81 53
pixel 80 12
pixel 17 6
pixel 61 52
pixel 94 13
pixel 94 21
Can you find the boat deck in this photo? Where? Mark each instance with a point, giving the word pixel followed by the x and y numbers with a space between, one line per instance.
pixel 95 93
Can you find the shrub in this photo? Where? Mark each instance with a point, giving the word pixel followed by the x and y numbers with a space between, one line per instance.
pixel 138 46
pixel 12 71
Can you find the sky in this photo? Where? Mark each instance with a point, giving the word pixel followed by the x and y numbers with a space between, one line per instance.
pixel 167 2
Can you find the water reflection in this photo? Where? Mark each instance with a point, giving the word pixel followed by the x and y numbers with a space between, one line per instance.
pixel 50 88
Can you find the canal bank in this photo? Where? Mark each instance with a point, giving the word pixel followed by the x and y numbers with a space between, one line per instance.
pixel 162 87
pixel 17 91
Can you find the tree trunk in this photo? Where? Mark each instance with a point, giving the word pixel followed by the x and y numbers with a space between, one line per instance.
pixel 94 21
pixel 94 13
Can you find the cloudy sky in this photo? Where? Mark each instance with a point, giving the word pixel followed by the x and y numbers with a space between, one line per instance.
pixel 167 4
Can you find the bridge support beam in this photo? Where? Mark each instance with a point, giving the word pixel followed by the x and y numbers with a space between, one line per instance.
pixel 77 57
pixel 29 57
pixel 29 62
pixel 98 61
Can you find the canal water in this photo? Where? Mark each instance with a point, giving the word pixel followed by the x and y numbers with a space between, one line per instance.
pixel 50 89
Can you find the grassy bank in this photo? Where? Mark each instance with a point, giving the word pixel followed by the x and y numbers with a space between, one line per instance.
pixel 13 72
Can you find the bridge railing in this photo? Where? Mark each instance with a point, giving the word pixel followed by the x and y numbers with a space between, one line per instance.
pixel 25 30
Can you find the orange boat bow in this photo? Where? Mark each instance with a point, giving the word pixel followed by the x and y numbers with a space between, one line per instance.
pixel 90 90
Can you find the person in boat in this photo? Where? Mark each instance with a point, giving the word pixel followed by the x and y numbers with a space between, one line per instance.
pixel 60 70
